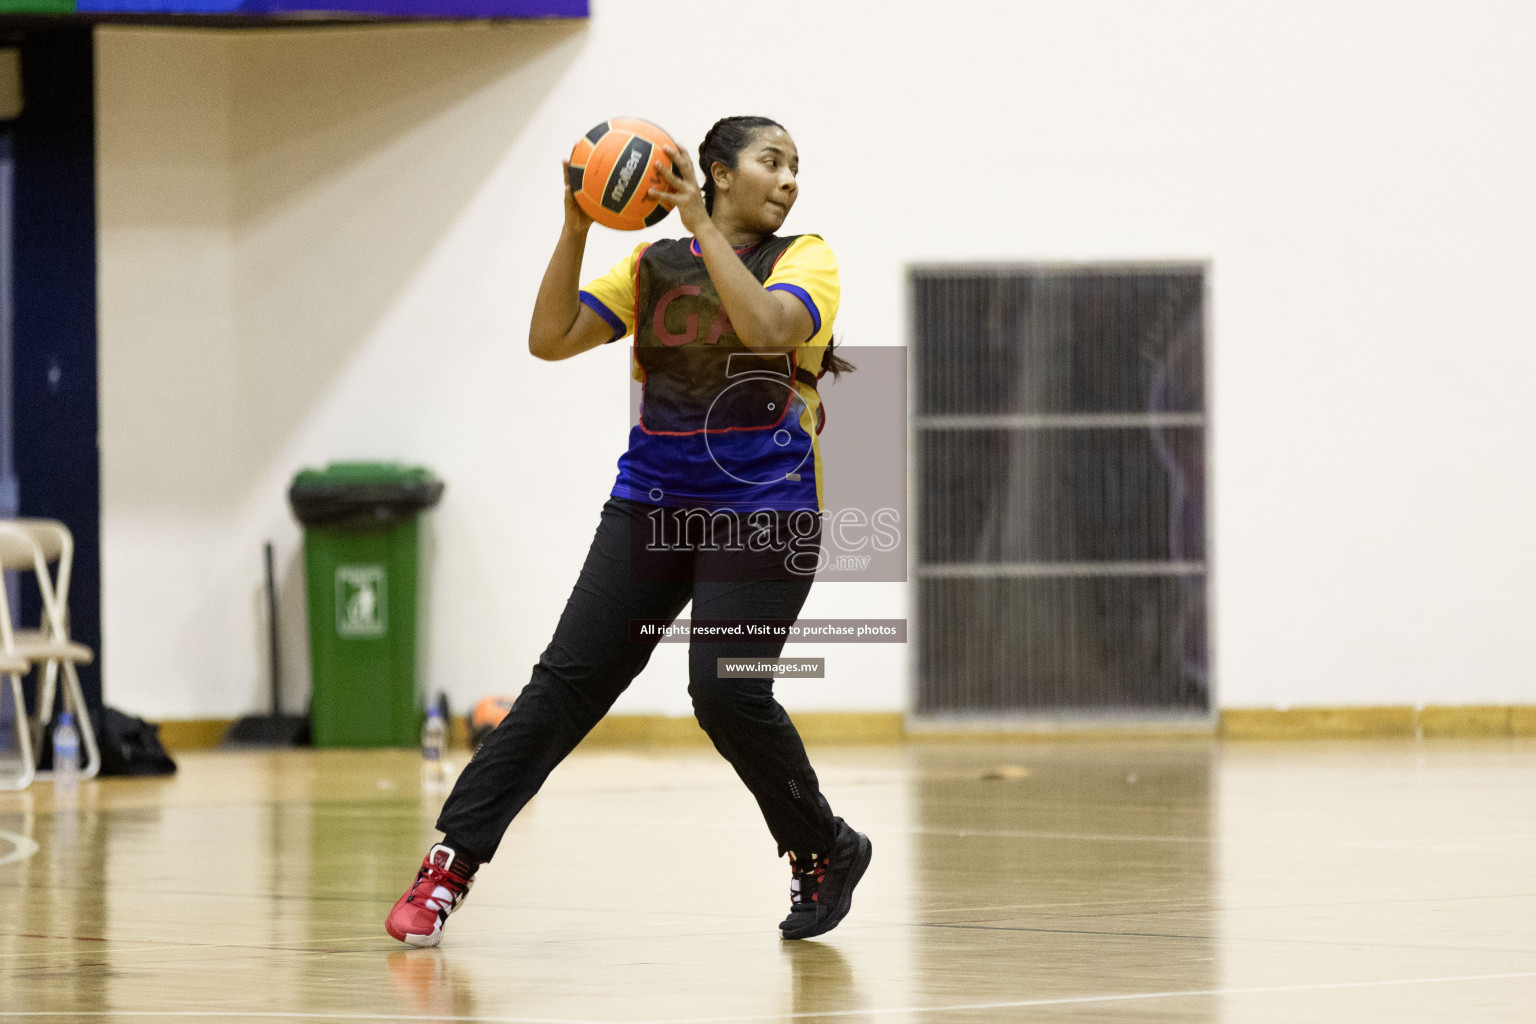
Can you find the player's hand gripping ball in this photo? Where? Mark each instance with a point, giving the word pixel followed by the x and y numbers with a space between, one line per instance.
pixel 612 169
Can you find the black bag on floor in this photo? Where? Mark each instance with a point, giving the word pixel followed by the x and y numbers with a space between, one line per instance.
pixel 131 746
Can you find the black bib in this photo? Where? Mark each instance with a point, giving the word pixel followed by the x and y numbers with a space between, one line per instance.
pixel 697 373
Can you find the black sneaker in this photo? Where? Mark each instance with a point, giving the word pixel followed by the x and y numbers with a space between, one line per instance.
pixel 821 885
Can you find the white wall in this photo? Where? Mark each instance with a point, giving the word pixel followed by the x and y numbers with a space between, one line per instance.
pixel 176 603
pixel 325 244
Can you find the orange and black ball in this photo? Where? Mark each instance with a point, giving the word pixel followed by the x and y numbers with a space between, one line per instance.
pixel 614 166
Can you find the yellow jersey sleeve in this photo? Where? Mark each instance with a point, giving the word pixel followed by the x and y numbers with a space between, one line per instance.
pixel 808 271
pixel 612 296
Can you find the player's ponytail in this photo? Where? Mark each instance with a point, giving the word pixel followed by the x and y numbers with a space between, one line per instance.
pixel 723 143
pixel 833 363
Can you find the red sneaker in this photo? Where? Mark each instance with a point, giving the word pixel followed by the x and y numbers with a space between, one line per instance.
pixel 418 916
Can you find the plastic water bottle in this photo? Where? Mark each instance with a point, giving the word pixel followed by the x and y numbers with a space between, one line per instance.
pixel 434 738
pixel 66 754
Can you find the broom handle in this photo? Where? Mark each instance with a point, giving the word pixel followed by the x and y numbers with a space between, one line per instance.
pixel 277 668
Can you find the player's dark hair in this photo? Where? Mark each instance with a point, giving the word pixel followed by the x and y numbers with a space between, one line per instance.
pixel 833 363
pixel 723 143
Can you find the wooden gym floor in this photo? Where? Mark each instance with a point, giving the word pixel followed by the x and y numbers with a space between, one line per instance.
pixel 1372 881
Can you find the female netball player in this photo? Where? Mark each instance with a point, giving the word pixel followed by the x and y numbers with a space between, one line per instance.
pixel 732 328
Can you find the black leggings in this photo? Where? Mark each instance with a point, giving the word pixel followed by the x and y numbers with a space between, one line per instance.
pixel 592 659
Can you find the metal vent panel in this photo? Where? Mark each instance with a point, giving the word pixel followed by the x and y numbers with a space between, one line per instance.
pixel 1058 342
pixel 1062 495
pixel 1060 451
pixel 1059 645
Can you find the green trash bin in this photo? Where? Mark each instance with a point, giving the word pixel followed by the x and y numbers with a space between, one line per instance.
pixel 361 564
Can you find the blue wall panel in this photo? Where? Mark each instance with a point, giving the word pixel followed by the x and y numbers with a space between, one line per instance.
pixel 54 330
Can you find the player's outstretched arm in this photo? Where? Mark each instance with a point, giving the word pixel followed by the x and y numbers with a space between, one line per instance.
pixel 561 326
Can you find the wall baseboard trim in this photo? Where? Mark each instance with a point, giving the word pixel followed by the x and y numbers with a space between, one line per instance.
pixel 815 727
pixel 860 727
pixel 193 733
pixel 207 733
pixel 1430 721
pixel 613 731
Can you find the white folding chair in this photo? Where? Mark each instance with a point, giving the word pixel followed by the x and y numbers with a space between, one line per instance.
pixel 13 668
pixel 32 545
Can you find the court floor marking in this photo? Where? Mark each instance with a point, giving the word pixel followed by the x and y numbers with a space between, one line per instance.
pixel 1225 939
pixel 1132 908
pixel 1090 837
pixel 170 954
pixel 1417 846
pixel 24 848
pixel 811 1015
pixel 1138 905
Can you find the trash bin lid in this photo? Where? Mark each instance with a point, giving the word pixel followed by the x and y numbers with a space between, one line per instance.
pixel 363 495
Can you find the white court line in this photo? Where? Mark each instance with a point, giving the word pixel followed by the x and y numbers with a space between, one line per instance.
pixel 807 1015
pixel 1408 845
pixel 274 1015
pixel 1429 846
pixel 24 848
pixel 1079 1000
